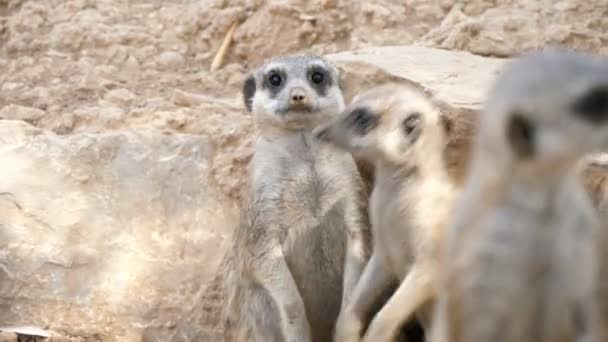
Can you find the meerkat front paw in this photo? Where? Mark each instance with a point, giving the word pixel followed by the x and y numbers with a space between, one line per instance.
pixel 379 332
pixel 348 327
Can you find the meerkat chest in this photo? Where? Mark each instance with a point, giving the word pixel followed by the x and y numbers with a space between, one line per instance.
pixel 531 256
pixel 303 183
pixel 392 232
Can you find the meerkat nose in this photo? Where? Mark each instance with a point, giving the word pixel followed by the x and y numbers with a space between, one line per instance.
pixel 298 96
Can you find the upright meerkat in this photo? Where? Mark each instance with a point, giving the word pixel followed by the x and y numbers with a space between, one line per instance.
pixel 399 131
pixel 520 262
pixel 300 246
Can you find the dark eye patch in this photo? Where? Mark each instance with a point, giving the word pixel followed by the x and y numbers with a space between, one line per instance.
pixel 362 120
pixel 593 106
pixel 319 79
pixel 520 134
pixel 270 81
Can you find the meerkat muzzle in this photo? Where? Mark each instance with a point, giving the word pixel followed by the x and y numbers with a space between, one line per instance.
pixel 299 100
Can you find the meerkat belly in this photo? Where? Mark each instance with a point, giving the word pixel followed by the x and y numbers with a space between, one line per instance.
pixel 395 236
pixel 316 260
pixel 508 275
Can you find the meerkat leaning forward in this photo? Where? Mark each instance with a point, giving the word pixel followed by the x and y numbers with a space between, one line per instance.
pixel 520 262
pixel 399 130
pixel 301 244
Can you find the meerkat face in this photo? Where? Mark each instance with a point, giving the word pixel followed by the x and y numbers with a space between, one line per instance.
pixel 550 108
pixel 294 92
pixel 387 122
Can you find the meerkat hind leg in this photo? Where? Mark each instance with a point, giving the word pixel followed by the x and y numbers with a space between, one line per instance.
pixel 276 278
pixel 414 291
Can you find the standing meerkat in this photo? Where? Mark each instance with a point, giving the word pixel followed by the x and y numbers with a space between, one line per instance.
pixel 300 246
pixel 520 261
pixel 401 132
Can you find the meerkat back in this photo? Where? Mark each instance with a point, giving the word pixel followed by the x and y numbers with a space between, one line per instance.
pixel 306 247
pixel 521 258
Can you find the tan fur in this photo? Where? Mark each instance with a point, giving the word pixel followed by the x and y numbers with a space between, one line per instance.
pixel 301 243
pixel 409 205
pixel 595 179
pixel 520 259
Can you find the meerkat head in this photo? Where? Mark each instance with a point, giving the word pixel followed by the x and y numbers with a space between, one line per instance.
pixel 393 122
pixel 546 110
pixel 293 92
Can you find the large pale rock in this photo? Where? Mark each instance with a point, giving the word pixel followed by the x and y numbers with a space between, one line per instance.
pixel 110 236
pixel 457 80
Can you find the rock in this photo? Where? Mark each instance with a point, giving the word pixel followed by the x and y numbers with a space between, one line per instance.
pixel 21 331
pixel 121 96
pixel 182 98
pixel 108 236
pixel 16 112
pixel 457 80
pixel 505 30
pixel 6 336
pixel 170 60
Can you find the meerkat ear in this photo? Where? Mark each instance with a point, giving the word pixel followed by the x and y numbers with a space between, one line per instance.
pixel 520 134
pixel 248 91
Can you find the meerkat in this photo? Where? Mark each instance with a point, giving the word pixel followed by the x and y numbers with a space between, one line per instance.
pixel 300 246
pixel 402 133
pixel 594 174
pixel 520 260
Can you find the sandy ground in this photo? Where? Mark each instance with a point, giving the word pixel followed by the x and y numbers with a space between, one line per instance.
pixel 93 65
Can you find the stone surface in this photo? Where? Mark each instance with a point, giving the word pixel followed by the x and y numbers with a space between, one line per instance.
pixel 107 236
pixel 457 81
pixel 16 112
pixel 6 336
pixel 457 78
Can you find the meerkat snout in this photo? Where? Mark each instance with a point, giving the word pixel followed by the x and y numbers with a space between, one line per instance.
pixel 299 100
pixel 297 95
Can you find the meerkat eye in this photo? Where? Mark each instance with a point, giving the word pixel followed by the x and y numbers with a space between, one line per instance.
pixel 364 120
pixel 410 123
pixel 274 79
pixel 317 77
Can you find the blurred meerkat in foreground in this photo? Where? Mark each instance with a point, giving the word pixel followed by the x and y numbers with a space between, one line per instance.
pixel 399 131
pixel 595 177
pixel 520 262
pixel 300 246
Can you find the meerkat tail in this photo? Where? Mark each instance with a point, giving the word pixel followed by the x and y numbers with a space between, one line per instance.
pixel 218 60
